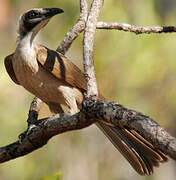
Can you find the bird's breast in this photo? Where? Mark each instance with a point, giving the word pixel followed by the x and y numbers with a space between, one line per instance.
pixel 40 82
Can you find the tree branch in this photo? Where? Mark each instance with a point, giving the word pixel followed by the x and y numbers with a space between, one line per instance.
pixel 120 116
pixel 93 110
pixel 135 29
pixel 38 135
pixel 75 30
pixel 88 43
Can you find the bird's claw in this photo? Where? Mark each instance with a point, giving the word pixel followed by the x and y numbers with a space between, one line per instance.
pixel 29 130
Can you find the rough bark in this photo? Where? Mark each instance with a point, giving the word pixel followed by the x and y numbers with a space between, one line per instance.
pixel 88 43
pixel 93 110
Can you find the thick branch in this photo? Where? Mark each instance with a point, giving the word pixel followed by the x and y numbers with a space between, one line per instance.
pixel 39 134
pixel 118 115
pixel 92 110
pixel 76 29
pixel 135 29
pixel 88 47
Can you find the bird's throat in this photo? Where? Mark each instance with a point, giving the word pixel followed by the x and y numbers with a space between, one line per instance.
pixel 26 41
pixel 25 52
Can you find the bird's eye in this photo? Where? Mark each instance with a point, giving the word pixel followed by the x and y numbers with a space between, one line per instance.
pixel 32 14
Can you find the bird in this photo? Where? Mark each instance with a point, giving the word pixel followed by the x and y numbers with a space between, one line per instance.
pixel 57 81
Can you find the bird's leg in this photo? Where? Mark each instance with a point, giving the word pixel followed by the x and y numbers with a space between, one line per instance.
pixel 33 111
pixel 32 117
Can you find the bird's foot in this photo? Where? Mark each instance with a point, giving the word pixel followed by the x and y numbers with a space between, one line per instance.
pixel 26 133
pixel 32 123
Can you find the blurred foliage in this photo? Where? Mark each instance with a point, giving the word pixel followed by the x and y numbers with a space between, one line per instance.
pixel 139 71
pixel 55 176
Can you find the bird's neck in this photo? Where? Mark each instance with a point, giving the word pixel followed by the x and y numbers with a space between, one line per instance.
pixel 26 52
pixel 26 41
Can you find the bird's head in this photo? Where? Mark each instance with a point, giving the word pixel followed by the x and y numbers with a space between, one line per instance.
pixel 35 19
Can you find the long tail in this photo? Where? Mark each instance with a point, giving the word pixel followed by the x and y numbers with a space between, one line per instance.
pixel 138 151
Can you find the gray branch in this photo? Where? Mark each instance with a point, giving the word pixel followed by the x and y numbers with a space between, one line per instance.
pixel 135 29
pixel 38 135
pixel 76 29
pixel 88 43
pixel 93 110
pixel 120 116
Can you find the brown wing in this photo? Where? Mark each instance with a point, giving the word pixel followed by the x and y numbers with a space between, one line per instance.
pixel 61 67
pixel 140 153
pixel 9 68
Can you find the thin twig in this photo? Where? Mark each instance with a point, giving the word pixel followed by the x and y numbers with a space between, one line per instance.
pixel 88 43
pixel 75 30
pixel 135 29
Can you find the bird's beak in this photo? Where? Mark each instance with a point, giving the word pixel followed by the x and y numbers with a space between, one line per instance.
pixel 50 12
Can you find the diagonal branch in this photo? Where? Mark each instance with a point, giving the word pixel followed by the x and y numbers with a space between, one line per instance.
pixel 88 43
pixel 93 110
pixel 38 135
pixel 119 116
pixel 135 29
pixel 75 30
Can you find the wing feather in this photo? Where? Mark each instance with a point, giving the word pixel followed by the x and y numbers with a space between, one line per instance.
pixel 61 67
pixel 9 68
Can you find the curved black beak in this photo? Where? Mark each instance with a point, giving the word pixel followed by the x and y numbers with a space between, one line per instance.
pixel 50 12
pixel 36 16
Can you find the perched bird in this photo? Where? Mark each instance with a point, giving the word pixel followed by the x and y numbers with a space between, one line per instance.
pixel 54 79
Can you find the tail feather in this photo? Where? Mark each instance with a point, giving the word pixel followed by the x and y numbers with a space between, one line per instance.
pixel 163 158
pixel 142 156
